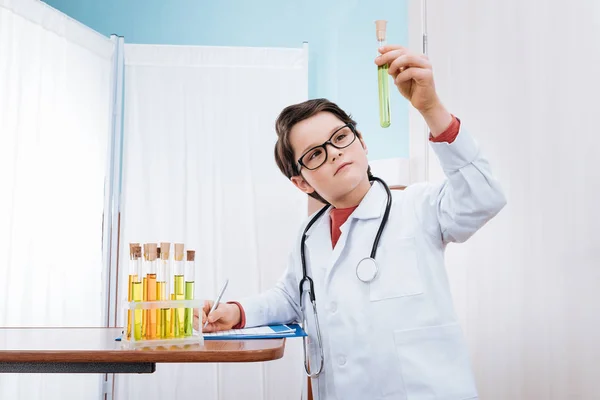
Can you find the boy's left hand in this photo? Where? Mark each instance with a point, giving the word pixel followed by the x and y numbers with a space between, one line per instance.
pixel 412 75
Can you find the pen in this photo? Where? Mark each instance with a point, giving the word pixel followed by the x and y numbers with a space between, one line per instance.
pixel 216 303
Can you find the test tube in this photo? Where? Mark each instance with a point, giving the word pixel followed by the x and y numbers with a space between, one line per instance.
pixel 163 320
pixel 145 292
pixel 177 259
pixel 178 291
pixel 134 292
pixel 190 273
pixel 169 296
pixel 151 290
pixel 157 272
pixel 382 79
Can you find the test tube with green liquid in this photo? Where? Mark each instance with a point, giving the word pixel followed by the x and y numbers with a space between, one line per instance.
pixel 178 292
pixel 190 274
pixel 383 79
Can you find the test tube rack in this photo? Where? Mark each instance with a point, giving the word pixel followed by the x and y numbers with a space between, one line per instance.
pixel 130 342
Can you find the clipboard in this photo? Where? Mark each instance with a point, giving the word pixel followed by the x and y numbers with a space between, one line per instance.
pixel 295 331
pixel 279 331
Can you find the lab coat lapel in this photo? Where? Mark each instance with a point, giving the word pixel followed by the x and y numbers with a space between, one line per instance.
pixel 318 245
pixel 339 247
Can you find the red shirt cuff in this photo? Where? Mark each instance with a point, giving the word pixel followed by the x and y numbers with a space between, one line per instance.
pixel 242 315
pixel 449 134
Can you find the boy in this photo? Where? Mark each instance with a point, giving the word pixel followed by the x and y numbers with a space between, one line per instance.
pixel 395 336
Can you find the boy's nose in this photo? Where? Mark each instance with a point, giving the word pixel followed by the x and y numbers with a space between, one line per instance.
pixel 334 152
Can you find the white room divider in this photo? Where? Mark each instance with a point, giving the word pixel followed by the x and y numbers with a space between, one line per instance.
pixel 55 85
pixel 199 169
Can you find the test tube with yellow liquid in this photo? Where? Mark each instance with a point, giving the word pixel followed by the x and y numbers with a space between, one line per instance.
pixel 145 292
pixel 383 79
pixel 169 321
pixel 151 290
pixel 162 291
pixel 190 274
pixel 157 286
pixel 178 292
pixel 134 292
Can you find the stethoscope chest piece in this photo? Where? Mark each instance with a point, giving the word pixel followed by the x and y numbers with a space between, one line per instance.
pixel 367 269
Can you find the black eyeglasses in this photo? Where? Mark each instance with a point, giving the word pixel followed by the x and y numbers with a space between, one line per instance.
pixel 316 156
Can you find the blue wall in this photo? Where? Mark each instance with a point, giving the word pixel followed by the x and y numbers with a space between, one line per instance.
pixel 340 33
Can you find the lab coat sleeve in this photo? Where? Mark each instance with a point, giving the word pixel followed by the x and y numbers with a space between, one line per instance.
pixel 278 305
pixel 467 199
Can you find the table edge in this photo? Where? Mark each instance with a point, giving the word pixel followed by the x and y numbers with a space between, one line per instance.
pixel 127 356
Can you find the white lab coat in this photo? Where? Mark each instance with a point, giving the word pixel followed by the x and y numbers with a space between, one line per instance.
pixel 397 337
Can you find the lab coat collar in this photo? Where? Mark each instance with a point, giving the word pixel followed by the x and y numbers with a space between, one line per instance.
pixel 324 219
pixel 371 206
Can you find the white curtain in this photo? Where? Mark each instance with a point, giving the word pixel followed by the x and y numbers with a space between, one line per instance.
pixel 199 169
pixel 55 80
pixel 524 77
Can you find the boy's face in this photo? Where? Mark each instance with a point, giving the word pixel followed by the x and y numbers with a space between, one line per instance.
pixel 329 180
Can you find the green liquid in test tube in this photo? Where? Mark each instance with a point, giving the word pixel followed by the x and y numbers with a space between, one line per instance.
pixel 383 79
pixel 190 273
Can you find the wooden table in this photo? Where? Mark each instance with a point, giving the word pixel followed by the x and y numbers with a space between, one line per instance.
pixel 94 350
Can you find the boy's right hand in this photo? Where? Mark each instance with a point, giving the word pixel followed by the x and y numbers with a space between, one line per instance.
pixel 223 318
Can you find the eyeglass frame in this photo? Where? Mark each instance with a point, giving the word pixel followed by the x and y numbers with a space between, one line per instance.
pixel 324 146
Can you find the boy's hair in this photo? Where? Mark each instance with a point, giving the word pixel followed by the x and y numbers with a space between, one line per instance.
pixel 290 116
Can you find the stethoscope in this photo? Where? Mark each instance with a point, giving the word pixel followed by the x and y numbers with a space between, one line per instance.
pixel 366 271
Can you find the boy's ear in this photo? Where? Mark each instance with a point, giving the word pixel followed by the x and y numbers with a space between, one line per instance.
pixel 302 184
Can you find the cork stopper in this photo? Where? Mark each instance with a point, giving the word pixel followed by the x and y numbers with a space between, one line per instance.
pixel 178 251
pixel 165 250
pixel 158 252
pixel 191 254
pixel 135 251
pixel 132 247
pixel 145 251
pixel 380 27
pixel 152 250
